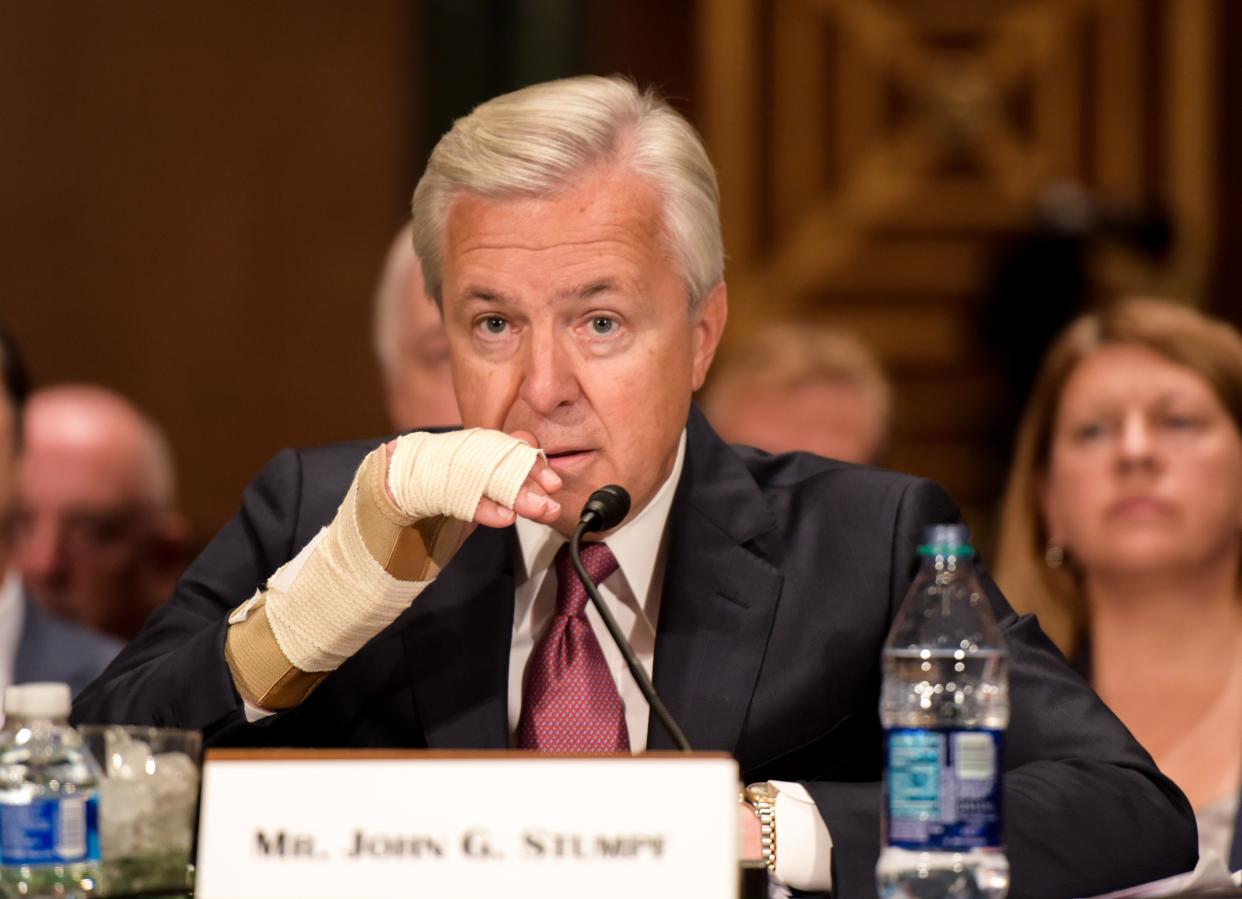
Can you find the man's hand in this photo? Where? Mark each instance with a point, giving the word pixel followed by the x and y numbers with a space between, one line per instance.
pixel 534 500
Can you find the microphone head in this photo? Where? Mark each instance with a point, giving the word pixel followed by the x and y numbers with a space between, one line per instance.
pixel 605 509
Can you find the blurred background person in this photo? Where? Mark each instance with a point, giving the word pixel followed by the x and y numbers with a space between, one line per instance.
pixel 802 386
pixel 1122 530
pixel 98 538
pixel 34 645
pixel 410 344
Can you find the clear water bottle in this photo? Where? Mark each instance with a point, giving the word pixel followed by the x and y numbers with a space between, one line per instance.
pixel 49 805
pixel 945 706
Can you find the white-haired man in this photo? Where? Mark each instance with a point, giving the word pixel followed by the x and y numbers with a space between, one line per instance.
pixel 570 232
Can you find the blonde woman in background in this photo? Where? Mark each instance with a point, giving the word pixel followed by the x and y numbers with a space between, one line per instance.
pixel 1122 530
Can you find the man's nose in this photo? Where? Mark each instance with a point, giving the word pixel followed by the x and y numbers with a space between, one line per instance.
pixel 549 375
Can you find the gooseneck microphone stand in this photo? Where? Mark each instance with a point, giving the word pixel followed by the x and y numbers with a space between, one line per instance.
pixel 604 510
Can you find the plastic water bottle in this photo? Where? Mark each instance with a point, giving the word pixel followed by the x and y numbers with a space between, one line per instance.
pixel 49 805
pixel 945 706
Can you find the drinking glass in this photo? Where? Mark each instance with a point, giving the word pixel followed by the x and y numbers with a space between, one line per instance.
pixel 148 805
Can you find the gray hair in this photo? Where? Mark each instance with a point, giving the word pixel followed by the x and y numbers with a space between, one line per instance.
pixel 537 140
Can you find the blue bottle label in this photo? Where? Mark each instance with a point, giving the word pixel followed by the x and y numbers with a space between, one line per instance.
pixel 942 791
pixel 50 831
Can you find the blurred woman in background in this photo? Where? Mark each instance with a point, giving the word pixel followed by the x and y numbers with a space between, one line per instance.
pixel 1122 530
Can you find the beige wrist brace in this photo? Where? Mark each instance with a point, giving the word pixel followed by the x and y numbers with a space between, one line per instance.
pixel 365 568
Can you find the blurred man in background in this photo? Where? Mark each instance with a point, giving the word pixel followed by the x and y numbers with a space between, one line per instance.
pixel 410 344
pixel 802 387
pixel 34 645
pixel 98 538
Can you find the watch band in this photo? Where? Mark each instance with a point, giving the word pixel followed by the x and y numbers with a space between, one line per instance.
pixel 762 798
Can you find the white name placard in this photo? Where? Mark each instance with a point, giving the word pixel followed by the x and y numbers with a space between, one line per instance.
pixel 320 824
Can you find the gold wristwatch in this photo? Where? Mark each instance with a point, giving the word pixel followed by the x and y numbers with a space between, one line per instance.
pixel 762 797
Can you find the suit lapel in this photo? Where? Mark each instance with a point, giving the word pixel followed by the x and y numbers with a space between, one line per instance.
pixel 719 596
pixel 457 638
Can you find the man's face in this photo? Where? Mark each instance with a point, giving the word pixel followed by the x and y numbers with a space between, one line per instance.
pixel 567 317
pixel 84 538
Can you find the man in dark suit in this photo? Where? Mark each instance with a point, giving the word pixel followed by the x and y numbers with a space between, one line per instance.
pixel 98 537
pixel 403 594
pixel 34 644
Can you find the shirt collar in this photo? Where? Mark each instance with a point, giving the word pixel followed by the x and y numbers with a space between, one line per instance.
pixel 636 544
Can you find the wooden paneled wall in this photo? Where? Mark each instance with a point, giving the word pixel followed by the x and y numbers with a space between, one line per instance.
pixel 876 156
pixel 196 200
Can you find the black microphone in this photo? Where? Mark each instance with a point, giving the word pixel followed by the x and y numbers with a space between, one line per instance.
pixel 604 510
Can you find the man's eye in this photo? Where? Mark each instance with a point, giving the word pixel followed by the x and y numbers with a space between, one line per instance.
pixel 603 325
pixel 494 325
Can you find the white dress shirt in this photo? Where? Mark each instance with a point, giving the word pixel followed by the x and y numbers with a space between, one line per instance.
pixel 632 593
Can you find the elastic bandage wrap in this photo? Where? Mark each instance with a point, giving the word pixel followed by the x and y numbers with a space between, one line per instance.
pixel 447 474
pixel 342 595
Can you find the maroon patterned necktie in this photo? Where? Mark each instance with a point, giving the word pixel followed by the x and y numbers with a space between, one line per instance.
pixel 570 701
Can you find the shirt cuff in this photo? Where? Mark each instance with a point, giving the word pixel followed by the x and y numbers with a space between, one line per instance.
pixel 803 844
pixel 254 713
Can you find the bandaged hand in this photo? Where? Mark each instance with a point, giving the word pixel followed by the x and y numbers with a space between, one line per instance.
pixel 404 516
pixel 473 478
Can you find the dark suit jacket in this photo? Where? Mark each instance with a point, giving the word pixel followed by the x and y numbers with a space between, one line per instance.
pixel 51 649
pixel 783 575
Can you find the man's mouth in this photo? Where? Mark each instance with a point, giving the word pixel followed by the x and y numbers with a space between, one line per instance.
pixel 568 461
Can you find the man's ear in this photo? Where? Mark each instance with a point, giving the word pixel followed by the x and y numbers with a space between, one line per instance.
pixel 709 325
